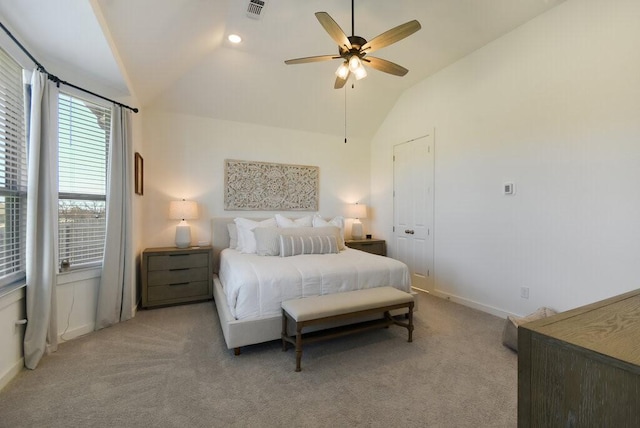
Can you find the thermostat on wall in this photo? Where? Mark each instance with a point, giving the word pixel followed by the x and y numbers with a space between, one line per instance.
pixel 509 189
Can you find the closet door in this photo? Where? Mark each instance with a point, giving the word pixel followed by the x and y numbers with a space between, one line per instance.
pixel 413 168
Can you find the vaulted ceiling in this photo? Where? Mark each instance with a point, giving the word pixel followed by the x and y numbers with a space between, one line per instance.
pixel 174 55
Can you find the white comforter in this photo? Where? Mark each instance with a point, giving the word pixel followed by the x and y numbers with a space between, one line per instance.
pixel 255 286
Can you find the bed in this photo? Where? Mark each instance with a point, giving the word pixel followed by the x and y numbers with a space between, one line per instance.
pixel 249 288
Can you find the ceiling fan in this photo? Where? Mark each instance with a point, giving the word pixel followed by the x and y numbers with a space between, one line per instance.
pixel 354 50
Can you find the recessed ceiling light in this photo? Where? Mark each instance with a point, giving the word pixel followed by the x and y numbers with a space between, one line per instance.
pixel 234 38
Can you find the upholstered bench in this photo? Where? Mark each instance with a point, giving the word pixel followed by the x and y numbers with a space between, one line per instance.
pixel 316 310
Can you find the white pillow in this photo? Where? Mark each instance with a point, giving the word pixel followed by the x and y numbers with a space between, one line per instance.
pixel 267 242
pixel 246 238
pixel 233 235
pixel 296 245
pixel 298 222
pixel 268 238
pixel 336 221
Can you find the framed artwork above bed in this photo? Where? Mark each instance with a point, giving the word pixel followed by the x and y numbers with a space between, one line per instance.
pixel 264 186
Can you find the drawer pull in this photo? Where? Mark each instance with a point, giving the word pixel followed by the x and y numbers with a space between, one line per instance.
pixel 179 255
pixel 173 270
pixel 178 283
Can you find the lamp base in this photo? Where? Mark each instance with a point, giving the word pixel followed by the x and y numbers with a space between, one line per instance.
pixel 356 230
pixel 183 235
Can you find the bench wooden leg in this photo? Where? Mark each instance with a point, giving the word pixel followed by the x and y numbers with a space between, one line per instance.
pixel 298 347
pixel 410 326
pixel 284 331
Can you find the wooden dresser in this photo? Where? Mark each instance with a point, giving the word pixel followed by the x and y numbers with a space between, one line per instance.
pixel 176 275
pixel 581 368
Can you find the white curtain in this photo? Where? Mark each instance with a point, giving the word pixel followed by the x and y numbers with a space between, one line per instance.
pixel 115 302
pixel 42 232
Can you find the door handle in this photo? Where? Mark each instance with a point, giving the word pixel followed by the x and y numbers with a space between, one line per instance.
pixel 409 231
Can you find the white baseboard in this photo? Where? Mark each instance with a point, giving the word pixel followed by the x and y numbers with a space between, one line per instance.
pixel 472 304
pixel 76 332
pixel 11 373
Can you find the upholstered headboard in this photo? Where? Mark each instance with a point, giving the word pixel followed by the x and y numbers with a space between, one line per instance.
pixel 220 237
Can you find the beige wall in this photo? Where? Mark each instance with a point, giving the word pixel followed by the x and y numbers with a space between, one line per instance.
pixel 554 108
pixel 184 158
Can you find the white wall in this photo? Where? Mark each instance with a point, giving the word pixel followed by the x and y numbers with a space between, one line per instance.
pixel 554 107
pixel 138 207
pixel 11 335
pixel 76 293
pixel 77 297
pixel 184 158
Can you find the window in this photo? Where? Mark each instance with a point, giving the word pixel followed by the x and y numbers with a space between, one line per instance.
pixel 13 171
pixel 83 133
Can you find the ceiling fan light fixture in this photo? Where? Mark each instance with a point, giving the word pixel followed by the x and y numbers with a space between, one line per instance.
pixel 360 73
pixel 343 71
pixel 354 63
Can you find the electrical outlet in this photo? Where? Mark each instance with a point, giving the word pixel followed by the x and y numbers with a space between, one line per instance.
pixel 524 292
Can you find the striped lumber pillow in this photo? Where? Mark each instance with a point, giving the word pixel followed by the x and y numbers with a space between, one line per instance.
pixel 295 245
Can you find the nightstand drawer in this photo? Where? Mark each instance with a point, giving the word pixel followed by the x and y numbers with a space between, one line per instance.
pixel 172 293
pixel 176 276
pixel 177 261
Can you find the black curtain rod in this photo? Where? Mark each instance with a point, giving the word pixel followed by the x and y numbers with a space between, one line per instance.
pixel 54 78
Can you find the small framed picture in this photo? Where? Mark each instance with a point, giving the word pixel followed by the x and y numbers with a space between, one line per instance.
pixel 139 174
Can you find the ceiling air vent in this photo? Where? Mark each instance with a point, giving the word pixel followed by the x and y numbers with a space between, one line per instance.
pixel 255 9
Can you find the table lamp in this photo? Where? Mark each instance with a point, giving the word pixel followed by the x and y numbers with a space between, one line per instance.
pixel 357 211
pixel 183 210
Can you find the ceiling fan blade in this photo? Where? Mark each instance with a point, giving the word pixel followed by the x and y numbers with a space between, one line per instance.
pixel 333 29
pixel 310 59
pixel 341 82
pixel 391 36
pixel 386 66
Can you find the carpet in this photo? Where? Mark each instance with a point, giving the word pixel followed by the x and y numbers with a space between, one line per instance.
pixel 169 367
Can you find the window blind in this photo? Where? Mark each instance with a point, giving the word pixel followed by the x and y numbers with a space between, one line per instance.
pixel 83 132
pixel 13 171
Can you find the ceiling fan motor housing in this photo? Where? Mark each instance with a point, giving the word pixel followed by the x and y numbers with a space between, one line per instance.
pixel 356 43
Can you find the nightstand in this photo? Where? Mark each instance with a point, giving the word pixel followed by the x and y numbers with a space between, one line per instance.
pixel 373 246
pixel 173 275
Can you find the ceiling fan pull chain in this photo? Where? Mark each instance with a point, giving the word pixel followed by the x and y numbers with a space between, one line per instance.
pixel 345 115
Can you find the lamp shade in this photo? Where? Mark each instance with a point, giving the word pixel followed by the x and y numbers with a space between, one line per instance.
pixel 183 210
pixel 357 211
